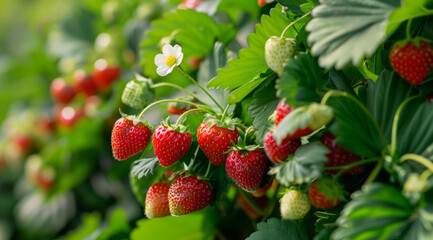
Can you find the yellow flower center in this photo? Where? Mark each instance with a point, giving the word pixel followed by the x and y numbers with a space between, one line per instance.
pixel 170 60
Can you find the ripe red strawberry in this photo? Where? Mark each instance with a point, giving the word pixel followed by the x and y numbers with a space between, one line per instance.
pixel 61 91
pixel 104 75
pixel 128 139
pixel 279 153
pixel 282 110
pixel 84 83
pixel 325 193
pixel 339 156
pixel 170 145
pixel 68 116
pixel 412 60
pixel 157 200
pixel 188 194
pixel 247 168
pixel 214 141
pixel 23 142
pixel 294 205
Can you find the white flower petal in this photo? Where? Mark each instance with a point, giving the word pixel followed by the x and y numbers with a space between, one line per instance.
pixel 159 60
pixel 167 50
pixel 177 49
pixel 163 70
pixel 179 59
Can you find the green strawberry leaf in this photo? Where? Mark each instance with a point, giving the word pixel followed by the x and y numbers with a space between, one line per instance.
pixel 302 81
pixel 144 167
pixel 246 70
pixel 263 105
pixel 355 128
pixel 380 211
pixel 409 9
pixel 117 227
pixel 279 229
pixel 194 31
pixel 196 225
pixel 208 70
pixel 192 122
pixel 344 31
pixel 90 223
pixel 415 134
pixel 384 97
pixel 306 165
pixel 242 91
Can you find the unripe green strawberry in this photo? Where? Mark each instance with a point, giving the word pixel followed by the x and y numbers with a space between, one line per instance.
pixel 138 93
pixel 157 200
pixel 322 115
pixel 278 51
pixel 294 205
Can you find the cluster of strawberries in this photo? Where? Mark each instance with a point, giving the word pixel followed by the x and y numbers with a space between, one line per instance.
pixel 87 84
pixel 245 165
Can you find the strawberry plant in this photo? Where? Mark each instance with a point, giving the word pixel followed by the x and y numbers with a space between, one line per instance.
pixel 269 119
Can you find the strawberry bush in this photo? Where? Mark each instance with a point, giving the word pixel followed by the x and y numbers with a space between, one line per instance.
pixel 232 119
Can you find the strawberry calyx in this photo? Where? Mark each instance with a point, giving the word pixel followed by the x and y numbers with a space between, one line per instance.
pixel 136 120
pixel 177 127
pixel 227 122
pixel 330 189
pixel 415 41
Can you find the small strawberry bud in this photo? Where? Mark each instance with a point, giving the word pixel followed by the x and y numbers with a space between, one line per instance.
pixel 278 51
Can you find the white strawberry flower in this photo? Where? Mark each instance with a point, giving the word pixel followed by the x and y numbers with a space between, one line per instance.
pixel 170 58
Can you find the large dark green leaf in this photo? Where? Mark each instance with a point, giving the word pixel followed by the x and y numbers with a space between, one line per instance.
pixel 278 229
pixel 302 80
pixel 343 31
pixel 415 133
pixel 408 10
pixel 355 127
pixel 196 32
pixel 383 100
pixel 264 104
pixel 376 212
pixel 306 165
pixel 246 70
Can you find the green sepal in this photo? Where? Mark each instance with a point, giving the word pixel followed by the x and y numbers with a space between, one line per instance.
pixel 179 128
pixel 415 41
pixel 227 122
pixel 135 120
pixel 330 188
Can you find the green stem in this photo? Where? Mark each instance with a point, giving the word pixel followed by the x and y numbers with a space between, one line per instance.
pixel 164 101
pixel 375 172
pixel 208 169
pixel 198 85
pixel 166 84
pixel 292 23
pixel 408 36
pixel 181 117
pixel 349 166
pixel 419 159
pixel 225 112
pixel 395 124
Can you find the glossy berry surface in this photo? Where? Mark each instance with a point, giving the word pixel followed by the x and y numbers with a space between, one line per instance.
pixel 61 91
pixel 157 200
pixel 170 145
pixel 282 111
pixel 246 168
pixel 128 139
pixel 279 152
pixel 214 141
pixel 188 194
pixel 412 62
